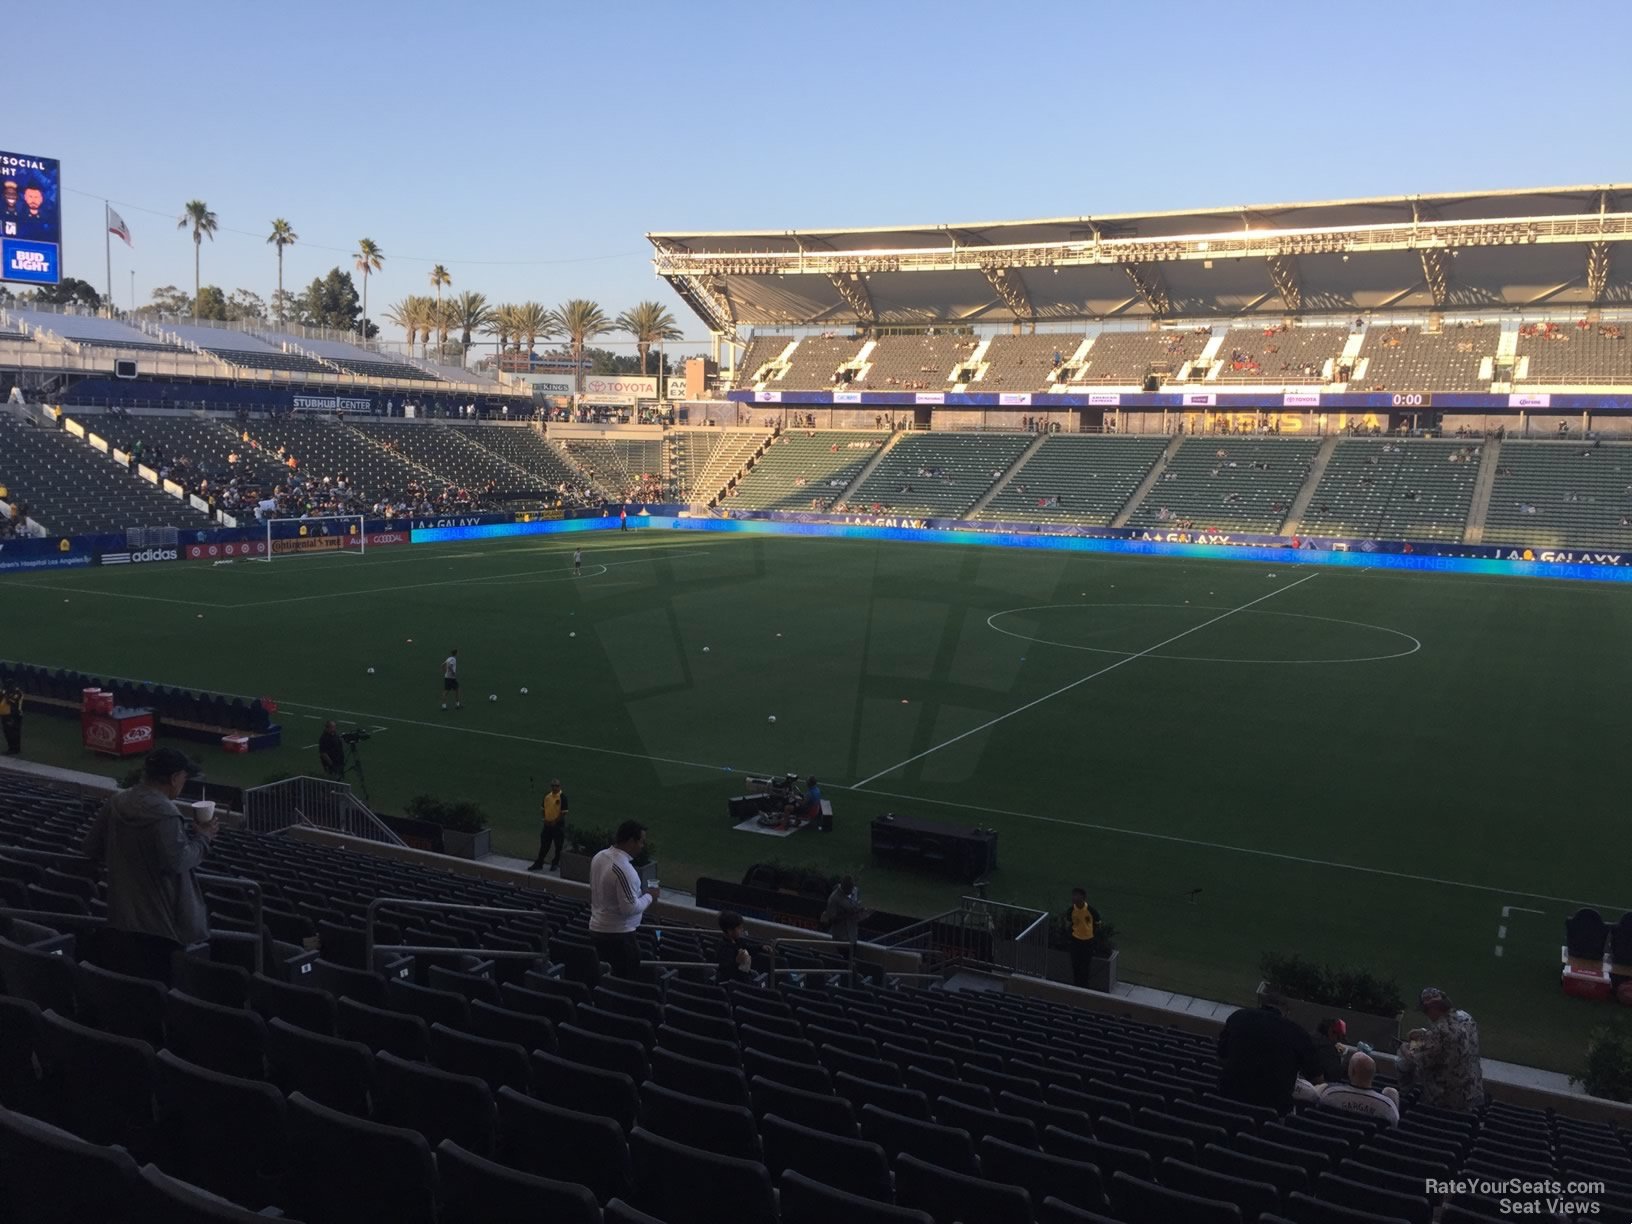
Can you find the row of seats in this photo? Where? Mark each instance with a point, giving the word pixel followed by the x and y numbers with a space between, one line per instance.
pixel 1406 490
pixel 803 470
pixel 1228 484
pixel 1562 494
pixel 941 474
pixel 1074 478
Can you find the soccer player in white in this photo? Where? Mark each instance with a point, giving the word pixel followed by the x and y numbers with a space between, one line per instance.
pixel 450 680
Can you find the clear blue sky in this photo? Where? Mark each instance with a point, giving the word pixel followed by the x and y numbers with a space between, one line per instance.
pixel 530 145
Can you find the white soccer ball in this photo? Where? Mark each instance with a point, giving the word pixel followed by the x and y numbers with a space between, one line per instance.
pixel 772 718
pixel 572 635
pixel 371 671
pixel 705 649
pixel 1272 575
pixel 492 696
pixel 524 692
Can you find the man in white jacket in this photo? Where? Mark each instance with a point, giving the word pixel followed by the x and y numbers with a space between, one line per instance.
pixel 617 900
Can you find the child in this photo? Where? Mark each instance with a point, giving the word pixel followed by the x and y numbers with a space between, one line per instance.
pixel 577 561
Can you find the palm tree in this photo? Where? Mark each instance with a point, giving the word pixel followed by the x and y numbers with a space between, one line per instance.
pixel 447 318
pixel 533 320
pixel 413 315
pixel 469 313
pixel 500 324
pixel 439 277
pixel 283 235
pixel 369 259
pixel 649 323
pixel 197 214
pixel 580 321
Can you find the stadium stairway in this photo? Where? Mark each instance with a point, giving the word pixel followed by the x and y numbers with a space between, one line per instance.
pixel 1008 475
pixel 1317 469
pixel 1474 532
pixel 1145 485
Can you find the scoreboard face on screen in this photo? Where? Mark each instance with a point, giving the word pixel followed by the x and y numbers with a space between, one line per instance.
pixel 30 218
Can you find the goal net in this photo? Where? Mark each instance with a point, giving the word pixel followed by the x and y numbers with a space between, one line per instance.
pixel 336 533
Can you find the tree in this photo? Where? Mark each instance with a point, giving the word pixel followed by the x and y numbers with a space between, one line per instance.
pixel 71 291
pixel 283 235
pixel 470 313
pixel 446 318
pixel 440 276
pixel 285 305
pixel 415 314
pixel 531 321
pixel 210 303
pixel 197 215
pixel 168 300
pixel 500 323
pixel 649 323
pixel 331 301
pixel 245 304
pixel 369 259
pixel 579 320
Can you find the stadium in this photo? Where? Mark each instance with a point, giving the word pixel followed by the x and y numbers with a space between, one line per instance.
pixel 1259 571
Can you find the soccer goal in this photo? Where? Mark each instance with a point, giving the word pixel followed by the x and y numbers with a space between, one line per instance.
pixel 332 533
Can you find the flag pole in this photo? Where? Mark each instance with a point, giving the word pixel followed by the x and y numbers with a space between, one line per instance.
pixel 107 251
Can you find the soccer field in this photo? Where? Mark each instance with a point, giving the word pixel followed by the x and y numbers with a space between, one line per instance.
pixel 1412 773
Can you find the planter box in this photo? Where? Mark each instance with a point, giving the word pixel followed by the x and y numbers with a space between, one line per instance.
pixel 474 846
pixel 1101 970
pixel 1379 1032
pixel 575 866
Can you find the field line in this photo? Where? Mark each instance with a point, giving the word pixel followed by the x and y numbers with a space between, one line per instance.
pixel 992 722
pixel 451 725
pixel 1248 850
pixel 101 593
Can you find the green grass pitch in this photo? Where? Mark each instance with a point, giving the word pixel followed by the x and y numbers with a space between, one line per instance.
pixel 1378 768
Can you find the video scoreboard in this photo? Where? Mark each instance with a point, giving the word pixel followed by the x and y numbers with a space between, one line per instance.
pixel 30 218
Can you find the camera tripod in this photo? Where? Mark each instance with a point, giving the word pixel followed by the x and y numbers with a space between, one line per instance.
pixel 354 765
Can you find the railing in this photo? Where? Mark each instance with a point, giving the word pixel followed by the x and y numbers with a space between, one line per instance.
pixel 370 946
pixel 318 802
pixel 979 934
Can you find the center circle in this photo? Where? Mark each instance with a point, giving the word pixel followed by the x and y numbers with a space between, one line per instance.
pixel 1361 642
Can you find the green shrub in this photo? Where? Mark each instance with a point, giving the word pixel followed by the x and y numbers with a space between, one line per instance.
pixel 458 816
pixel 590 840
pixel 1357 990
pixel 1608 1069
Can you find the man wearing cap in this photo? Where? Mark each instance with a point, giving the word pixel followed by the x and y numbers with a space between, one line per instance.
pixel 553 826
pixel 11 717
pixel 150 850
pixel 1443 1058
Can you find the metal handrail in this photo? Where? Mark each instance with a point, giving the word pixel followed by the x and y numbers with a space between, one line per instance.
pixel 375 905
pixel 849 945
pixel 256 899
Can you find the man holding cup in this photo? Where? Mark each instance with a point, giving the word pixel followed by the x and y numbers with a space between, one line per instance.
pixel 150 848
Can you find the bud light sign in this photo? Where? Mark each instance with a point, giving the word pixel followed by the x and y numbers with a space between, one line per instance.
pixel 35 262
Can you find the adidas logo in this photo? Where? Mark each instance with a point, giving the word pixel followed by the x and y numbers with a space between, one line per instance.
pixel 136 558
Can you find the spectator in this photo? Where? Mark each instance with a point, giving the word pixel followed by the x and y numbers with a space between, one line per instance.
pixel 1330 1050
pixel 736 954
pixel 617 900
pixel 1443 1058
pixel 11 717
pixel 1358 1096
pixel 1263 1053
pixel 843 914
pixel 553 826
pixel 1080 921
pixel 155 905
pixel 331 751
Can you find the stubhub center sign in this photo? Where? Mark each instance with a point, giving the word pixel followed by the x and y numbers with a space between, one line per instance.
pixel 21 260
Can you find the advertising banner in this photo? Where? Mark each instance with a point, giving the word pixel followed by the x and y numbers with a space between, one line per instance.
pixel 847 397
pixel 619 388
pixel 306 544
pixel 1016 399
pixel 1301 399
pixel 1199 399
pixel 767 397
pixel 142 556
pixel 1104 399
pixel 929 397
pixel 545 384
pixel 1530 401
pixel 17 555
pixel 385 539
pixel 225 550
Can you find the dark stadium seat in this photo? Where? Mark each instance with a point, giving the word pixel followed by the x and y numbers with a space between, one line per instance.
pixel 805 1200
pixel 344 982
pixel 946 1146
pixel 402 1033
pixel 1109 1158
pixel 175 1201
pixel 345 1170
pixel 700 1079
pixel 853 1165
pixel 231 1040
pixel 555 1008
pixel 438 1104
pixel 691 1186
pixel 727 1129
pixel 221 1132
pixel 538 1137
pixel 223 984
pixel 504 1024
pixel 1143 1202
pixel 611 1094
pixel 831 1115
pixel 707 1049
pixel 119 1003
pixel 495 1063
pixel 302 1006
pixel 952 1197
pixel 1334 1188
pixel 473 986
pixel 45 979
pixel 684 1018
pixel 433 1006
pixel 1253 1198
pixel 1284 1177
pixel 330 1070
pixel 1042 1175
pixel 19 1048
pixel 860 1092
pixel 811 1076
pixel 49 1176
pixel 479 1191
pixel 1303 1209
pixel 100 1086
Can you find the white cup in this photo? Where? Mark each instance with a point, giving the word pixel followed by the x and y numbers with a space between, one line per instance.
pixel 204 811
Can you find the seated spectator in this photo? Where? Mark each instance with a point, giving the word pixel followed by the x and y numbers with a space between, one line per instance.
pixel 736 955
pixel 1443 1058
pixel 1358 1096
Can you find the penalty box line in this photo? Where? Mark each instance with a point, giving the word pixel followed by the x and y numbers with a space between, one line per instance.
pixel 1030 705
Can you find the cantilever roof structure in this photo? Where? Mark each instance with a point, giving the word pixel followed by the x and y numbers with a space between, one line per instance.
pixel 1537 248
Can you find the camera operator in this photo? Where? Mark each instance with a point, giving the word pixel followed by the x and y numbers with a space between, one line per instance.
pixel 331 751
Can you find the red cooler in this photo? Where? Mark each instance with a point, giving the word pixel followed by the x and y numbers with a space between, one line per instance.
pixel 121 732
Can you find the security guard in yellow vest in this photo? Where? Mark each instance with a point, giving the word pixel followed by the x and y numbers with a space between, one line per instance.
pixel 11 717
pixel 553 812
pixel 1080 919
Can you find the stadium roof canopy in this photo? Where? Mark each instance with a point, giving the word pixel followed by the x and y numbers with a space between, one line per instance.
pixel 1541 248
